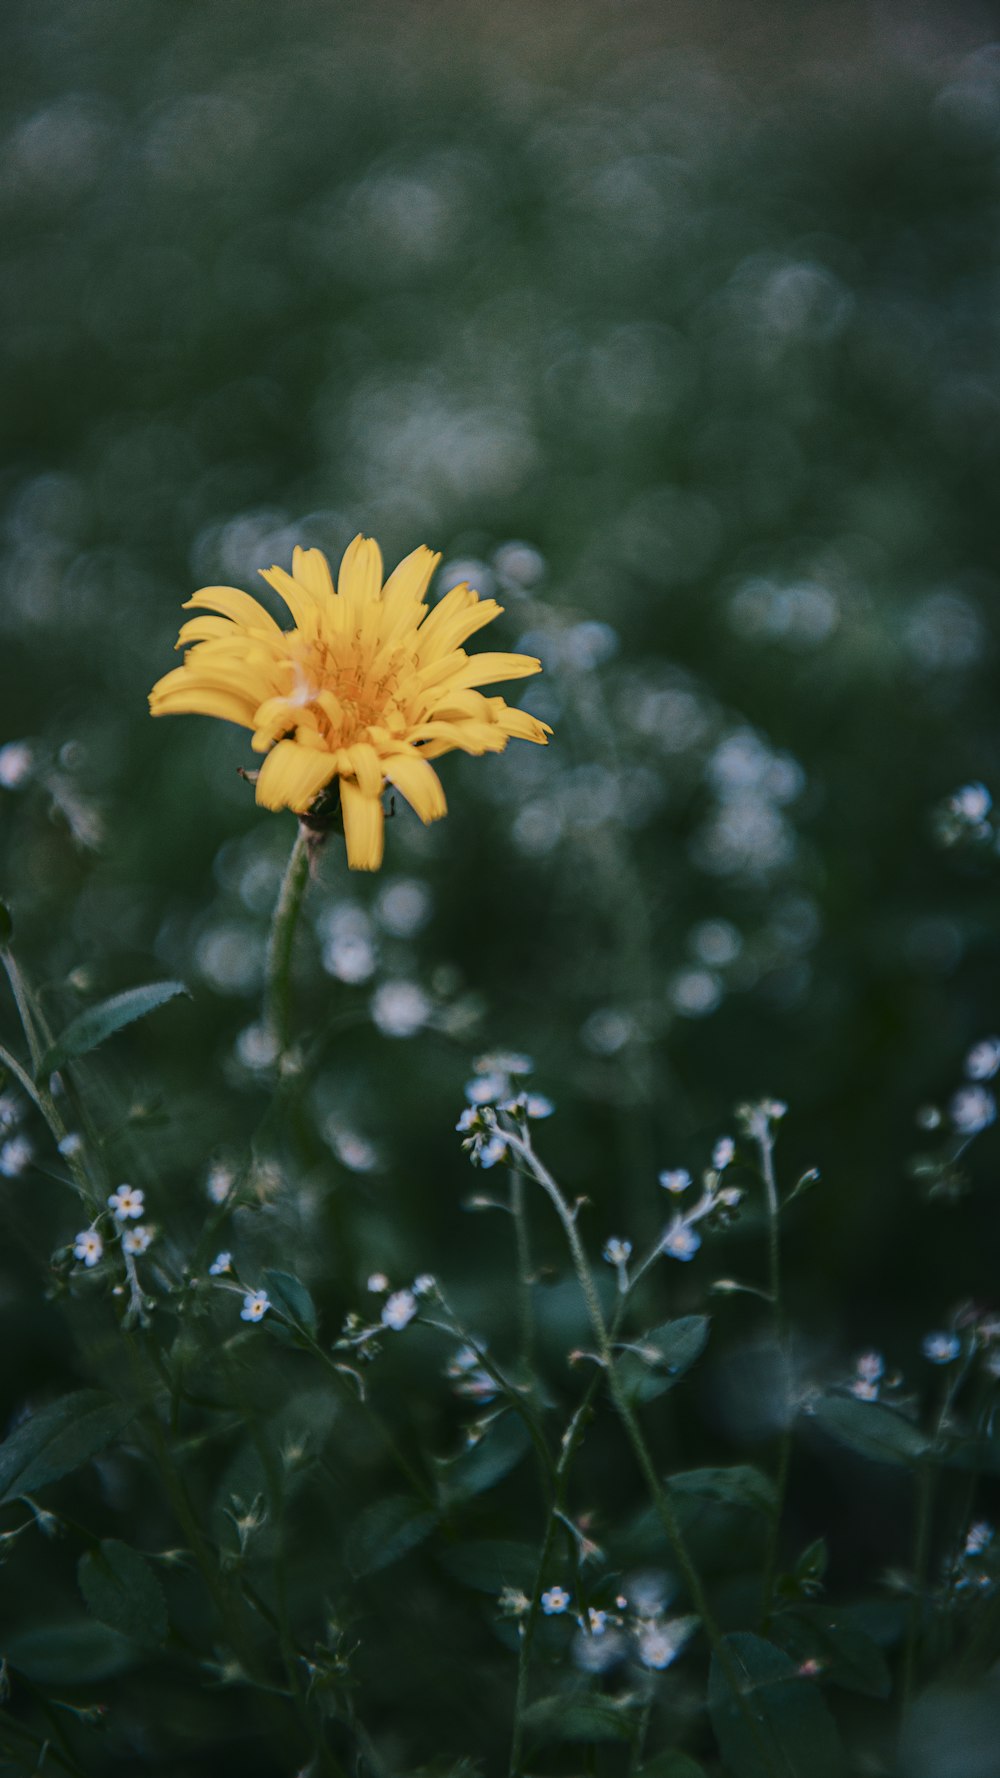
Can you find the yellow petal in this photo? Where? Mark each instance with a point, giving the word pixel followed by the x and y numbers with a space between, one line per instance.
pixel 292 777
pixel 367 768
pixel 403 593
pixel 490 669
pixel 311 568
pixel 300 601
pixel 200 700
pixel 364 827
pixel 205 629
pixel 523 727
pixel 360 577
pixel 418 782
pixel 460 614
pixel 232 603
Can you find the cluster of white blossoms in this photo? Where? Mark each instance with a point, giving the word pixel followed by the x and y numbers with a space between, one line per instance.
pixel 498 1088
pixel 16 1149
pixel 608 1634
pixel 126 1205
pixel 717 1199
pixel 399 1307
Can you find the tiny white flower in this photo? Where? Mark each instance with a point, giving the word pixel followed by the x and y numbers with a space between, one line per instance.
pixel 979 1537
pixel 537 1105
pixel 255 1305
pixel 492 1151
pixel 138 1239
pixel 971 803
pixel 377 1283
pixel 941 1348
pixel 504 1062
pixel 723 1153
pixel 88 1246
pixel 399 1309
pixel 675 1179
pixel 11 1111
pixel 864 1390
pixel 616 1252
pixel 71 1145
pixel 223 1262
pixel 15 1156
pixel 127 1203
pixel 660 1644
pixel 871 1366
pixel 219 1183
pixel 972 1109
pixel 681 1241
pixel 467 1121
pixel 16 761
pixel 598 1621
pixel 465 1359
pixel 425 1284
pixel 400 1008
pixel 983 1060
pixel 555 1601
pixel 485 1089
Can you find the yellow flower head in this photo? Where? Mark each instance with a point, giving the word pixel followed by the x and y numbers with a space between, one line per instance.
pixel 363 691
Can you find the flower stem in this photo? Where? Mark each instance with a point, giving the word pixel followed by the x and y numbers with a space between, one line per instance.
pixel 524 1272
pixel 277 1001
pixel 520 1142
pixel 765 1142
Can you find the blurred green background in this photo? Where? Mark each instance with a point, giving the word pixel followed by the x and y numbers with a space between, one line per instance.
pixel 678 330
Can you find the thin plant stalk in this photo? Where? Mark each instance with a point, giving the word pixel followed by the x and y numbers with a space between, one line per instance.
pixel 521 1144
pixel 765 1144
pixel 280 944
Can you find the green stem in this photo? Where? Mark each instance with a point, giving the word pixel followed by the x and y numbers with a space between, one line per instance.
pixel 926 1480
pixel 277 993
pixel 521 1144
pixel 524 1271
pixel 784 1458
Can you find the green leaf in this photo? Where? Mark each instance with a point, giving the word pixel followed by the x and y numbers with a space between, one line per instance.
pixel 671 1765
pixel 806 1578
pixel 77 1653
pixel 740 1484
pixel 100 1022
pixel 490 1564
pixel 290 1297
pixel 846 1655
pixel 657 1360
pixel 58 1439
pixel 387 1530
pixel 872 1429
pixel 121 1590
pixel 500 1450
pixel 791 1732
pixel 576 1717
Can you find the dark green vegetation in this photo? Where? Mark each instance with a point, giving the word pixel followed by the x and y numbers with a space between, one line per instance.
pixel 687 342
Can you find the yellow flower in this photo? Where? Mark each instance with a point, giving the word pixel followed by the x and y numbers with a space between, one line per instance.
pixel 364 690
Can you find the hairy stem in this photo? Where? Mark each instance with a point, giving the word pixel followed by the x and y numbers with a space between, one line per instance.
pixel 765 1142
pixel 277 992
pixel 520 1143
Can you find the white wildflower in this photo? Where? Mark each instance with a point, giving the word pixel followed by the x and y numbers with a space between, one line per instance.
pixel 399 1309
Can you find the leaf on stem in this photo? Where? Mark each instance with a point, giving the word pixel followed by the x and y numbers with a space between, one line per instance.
pixel 657 1360
pixel 872 1429
pixel 58 1439
pixel 790 1731
pixel 121 1590
pixel 93 1027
